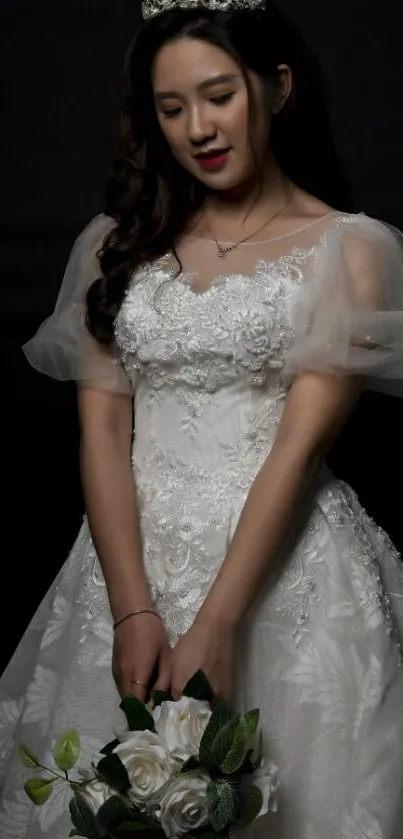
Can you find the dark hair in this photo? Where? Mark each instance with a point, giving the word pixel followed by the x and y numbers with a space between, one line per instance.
pixel 151 196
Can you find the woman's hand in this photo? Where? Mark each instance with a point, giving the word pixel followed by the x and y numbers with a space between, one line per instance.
pixel 141 654
pixel 206 646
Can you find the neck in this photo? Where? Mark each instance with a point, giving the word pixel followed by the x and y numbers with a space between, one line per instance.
pixel 266 188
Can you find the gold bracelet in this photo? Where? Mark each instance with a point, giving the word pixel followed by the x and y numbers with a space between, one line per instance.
pixel 134 614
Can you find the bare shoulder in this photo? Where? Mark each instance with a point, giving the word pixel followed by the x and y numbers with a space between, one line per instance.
pixel 307 207
pixel 303 210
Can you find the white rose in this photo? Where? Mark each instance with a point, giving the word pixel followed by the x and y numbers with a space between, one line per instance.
pixel 183 807
pixel 181 725
pixel 95 792
pixel 147 763
pixel 266 778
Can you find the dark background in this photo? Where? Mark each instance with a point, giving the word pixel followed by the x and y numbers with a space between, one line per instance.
pixel 62 82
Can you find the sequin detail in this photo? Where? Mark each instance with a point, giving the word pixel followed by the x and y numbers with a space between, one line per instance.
pixel 150 8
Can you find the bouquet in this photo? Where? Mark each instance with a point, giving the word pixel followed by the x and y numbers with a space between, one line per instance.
pixel 182 769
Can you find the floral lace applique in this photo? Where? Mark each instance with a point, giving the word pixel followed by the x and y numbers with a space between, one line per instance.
pixel 92 595
pixel 203 341
pixel 361 545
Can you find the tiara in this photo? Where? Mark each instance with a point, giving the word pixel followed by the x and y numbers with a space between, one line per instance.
pixel 150 8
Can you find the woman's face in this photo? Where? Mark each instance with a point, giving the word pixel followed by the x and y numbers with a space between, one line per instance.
pixel 202 106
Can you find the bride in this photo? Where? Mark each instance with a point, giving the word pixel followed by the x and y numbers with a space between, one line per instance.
pixel 232 299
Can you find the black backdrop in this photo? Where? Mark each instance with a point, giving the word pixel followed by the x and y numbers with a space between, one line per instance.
pixel 62 81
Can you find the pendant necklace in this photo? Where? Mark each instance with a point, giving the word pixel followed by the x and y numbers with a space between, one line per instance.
pixel 222 250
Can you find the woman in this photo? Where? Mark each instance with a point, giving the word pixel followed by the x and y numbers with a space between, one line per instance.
pixel 228 290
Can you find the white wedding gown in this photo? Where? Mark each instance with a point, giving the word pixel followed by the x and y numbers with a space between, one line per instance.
pixel 210 355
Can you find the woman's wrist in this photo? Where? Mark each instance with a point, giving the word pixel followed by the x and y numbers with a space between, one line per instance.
pixel 130 601
pixel 137 613
pixel 218 614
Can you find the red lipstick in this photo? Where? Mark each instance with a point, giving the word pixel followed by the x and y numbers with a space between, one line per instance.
pixel 214 159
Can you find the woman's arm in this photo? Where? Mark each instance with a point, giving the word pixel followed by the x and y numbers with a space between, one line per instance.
pixel 141 651
pixel 110 496
pixel 315 412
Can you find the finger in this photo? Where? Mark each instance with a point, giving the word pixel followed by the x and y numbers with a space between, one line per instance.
pixel 220 695
pixel 164 673
pixel 222 692
pixel 125 687
pixel 176 693
pixel 143 679
pixel 120 683
pixel 129 683
pixel 139 691
pixel 176 688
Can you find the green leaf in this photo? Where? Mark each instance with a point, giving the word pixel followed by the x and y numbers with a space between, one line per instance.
pixel 251 720
pixel 113 772
pixel 109 747
pixel 198 687
pixel 67 750
pixel 83 818
pixel 251 804
pixel 222 713
pixel 160 696
pixel 221 804
pixel 137 715
pixel 230 746
pixel 38 790
pixel 113 812
pixel 27 757
pixel 237 751
pixel 223 741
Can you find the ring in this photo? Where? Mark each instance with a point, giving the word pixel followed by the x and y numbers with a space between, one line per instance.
pixel 136 682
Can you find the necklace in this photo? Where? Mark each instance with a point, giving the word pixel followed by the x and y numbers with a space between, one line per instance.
pixel 222 250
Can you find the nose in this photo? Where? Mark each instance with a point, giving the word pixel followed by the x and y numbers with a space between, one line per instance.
pixel 200 127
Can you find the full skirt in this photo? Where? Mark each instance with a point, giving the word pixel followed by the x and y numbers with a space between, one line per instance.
pixel 319 655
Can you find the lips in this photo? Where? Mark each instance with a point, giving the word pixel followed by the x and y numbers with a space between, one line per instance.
pixel 212 159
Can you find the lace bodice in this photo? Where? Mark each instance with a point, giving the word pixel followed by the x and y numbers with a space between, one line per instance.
pixel 238 330
pixel 328 296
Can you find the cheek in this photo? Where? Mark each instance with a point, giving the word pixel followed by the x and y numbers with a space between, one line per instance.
pixel 173 135
pixel 237 122
pixel 263 122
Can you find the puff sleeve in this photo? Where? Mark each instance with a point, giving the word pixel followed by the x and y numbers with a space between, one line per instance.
pixel 63 348
pixel 350 314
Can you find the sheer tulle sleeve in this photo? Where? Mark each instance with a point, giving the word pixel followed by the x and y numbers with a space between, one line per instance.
pixel 63 348
pixel 350 317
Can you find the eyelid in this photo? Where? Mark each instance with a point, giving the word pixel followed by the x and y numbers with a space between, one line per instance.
pixel 210 94
pixel 225 95
pixel 165 106
pixel 171 113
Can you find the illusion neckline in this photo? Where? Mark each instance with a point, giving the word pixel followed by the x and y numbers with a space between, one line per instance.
pixel 267 241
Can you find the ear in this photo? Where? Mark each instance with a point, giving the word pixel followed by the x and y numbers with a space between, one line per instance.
pixel 283 87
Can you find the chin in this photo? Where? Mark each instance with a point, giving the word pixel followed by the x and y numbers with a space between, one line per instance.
pixel 222 181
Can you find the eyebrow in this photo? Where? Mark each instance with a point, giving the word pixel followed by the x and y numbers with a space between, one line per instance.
pixel 214 80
